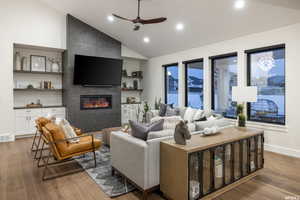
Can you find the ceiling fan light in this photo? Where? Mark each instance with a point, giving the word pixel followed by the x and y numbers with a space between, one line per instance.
pixel 179 27
pixel 146 39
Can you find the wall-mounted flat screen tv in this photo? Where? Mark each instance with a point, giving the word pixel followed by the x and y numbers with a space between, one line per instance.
pixel 97 71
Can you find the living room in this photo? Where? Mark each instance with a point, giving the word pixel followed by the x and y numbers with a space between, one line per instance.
pixel 194 100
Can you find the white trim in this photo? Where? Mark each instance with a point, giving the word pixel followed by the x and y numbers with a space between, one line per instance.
pixel 282 150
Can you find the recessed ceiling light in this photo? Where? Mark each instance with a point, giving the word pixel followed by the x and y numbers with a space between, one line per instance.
pixel 239 4
pixel 179 27
pixel 110 18
pixel 146 39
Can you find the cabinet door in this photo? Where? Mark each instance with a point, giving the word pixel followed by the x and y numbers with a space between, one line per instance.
pixel 21 125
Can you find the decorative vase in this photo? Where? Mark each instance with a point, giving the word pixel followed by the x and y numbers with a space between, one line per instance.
pixel 55 67
pixel 24 64
pixel 241 120
pixel 18 65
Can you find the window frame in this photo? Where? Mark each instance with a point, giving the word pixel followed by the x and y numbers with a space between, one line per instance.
pixel 260 50
pixel 185 63
pixel 212 59
pixel 165 80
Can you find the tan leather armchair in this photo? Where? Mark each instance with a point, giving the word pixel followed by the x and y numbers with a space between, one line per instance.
pixel 62 150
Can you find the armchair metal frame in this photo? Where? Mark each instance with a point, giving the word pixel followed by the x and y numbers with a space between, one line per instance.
pixel 58 161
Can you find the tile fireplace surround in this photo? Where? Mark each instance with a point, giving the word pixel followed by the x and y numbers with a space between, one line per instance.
pixel 91 102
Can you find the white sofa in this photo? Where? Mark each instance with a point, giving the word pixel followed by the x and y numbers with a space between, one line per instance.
pixel 139 160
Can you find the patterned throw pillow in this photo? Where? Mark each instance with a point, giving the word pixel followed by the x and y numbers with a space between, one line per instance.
pixel 68 131
pixel 141 131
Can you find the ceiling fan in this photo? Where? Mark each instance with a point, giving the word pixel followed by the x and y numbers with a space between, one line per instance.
pixel 139 21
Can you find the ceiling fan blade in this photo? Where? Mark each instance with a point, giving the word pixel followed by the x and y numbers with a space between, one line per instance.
pixel 123 18
pixel 152 21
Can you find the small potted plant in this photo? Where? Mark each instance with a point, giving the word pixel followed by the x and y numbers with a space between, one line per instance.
pixel 240 115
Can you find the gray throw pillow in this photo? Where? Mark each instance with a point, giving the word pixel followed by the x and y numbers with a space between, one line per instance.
pixel 171 111
pixel 141 130
pixel 163 109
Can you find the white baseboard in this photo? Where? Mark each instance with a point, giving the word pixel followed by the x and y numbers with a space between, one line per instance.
pixel 282 150
pixel 7 137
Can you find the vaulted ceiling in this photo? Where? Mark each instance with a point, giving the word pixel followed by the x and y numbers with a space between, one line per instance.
pixel 205 21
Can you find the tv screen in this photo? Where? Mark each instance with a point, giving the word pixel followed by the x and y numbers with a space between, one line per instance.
pixel 96 71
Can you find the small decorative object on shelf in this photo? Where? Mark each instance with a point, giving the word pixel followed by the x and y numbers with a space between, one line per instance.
pixel 24 64
pixel 33 105
pixel 124 85
pixel 30 86
pixel 135 84
pixel 38 63
pixel 182 133
pixel 55 67
pixel 124 73
pixel 130 100
pixel 18 65
pixel 137 74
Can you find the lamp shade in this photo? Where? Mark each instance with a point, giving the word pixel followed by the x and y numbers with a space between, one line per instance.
pixel 244 94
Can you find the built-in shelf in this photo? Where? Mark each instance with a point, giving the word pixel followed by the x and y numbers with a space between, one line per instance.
pixel 37 89
pixel 133 90
pixel 24 107
pixel 39 48
pixel 124 103
pixel 33 72
pixel 133 77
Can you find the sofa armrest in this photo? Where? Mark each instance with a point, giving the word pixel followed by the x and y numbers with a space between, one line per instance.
pixel 129 156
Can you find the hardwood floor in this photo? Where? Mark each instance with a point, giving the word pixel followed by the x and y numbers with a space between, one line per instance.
pixel 21 179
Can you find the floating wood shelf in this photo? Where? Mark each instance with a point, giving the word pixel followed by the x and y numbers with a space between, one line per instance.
pixel 133 90
pixel 124 103
pixel 38 90
pixel 24 107
pixel 33 72
pixel 132 77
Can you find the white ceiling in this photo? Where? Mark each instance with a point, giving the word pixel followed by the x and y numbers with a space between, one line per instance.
pixel 206 21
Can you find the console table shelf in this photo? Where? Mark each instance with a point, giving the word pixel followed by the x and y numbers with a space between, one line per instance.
pixel 208 166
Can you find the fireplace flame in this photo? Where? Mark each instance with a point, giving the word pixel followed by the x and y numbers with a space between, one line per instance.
pixel 99 103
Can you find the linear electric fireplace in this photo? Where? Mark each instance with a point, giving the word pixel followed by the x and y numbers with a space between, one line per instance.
pixel 90 102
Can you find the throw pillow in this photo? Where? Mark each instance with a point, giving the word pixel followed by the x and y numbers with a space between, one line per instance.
pixel 169 122
pixel 141 131
pixel 171 111
pixel 163 109
pixel 68 131
pixel 189 114
pixel 198 115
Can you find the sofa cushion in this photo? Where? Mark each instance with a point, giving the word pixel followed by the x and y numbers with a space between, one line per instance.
pixel 172 111
pixel 169 122
pixel 160 134
pixel 189 114
pixel 198 115
pixel 141 131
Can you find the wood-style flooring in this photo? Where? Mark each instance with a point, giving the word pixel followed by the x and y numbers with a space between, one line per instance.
pixel 20 179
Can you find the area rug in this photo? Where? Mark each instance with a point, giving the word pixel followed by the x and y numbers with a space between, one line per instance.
pixel 113 186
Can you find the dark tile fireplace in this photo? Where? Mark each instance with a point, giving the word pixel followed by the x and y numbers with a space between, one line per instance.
pixel 92 102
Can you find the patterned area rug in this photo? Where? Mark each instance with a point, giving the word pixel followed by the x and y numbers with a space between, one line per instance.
pixel 113 186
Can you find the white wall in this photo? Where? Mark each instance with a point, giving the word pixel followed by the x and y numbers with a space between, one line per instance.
pixel 28 22
pixel 281 139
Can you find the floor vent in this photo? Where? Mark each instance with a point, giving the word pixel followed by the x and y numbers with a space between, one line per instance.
pixel 6 137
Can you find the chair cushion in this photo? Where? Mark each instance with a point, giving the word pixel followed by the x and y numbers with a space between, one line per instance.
pixel 43 121
pixel 57 134
pixel 84 144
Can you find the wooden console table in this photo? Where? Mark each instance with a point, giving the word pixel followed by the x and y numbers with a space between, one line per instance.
pixel 209 166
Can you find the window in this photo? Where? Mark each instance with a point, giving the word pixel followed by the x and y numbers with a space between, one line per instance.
pixel 224 77
pixel 194 83
pixel 266 70
pixel 171 84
